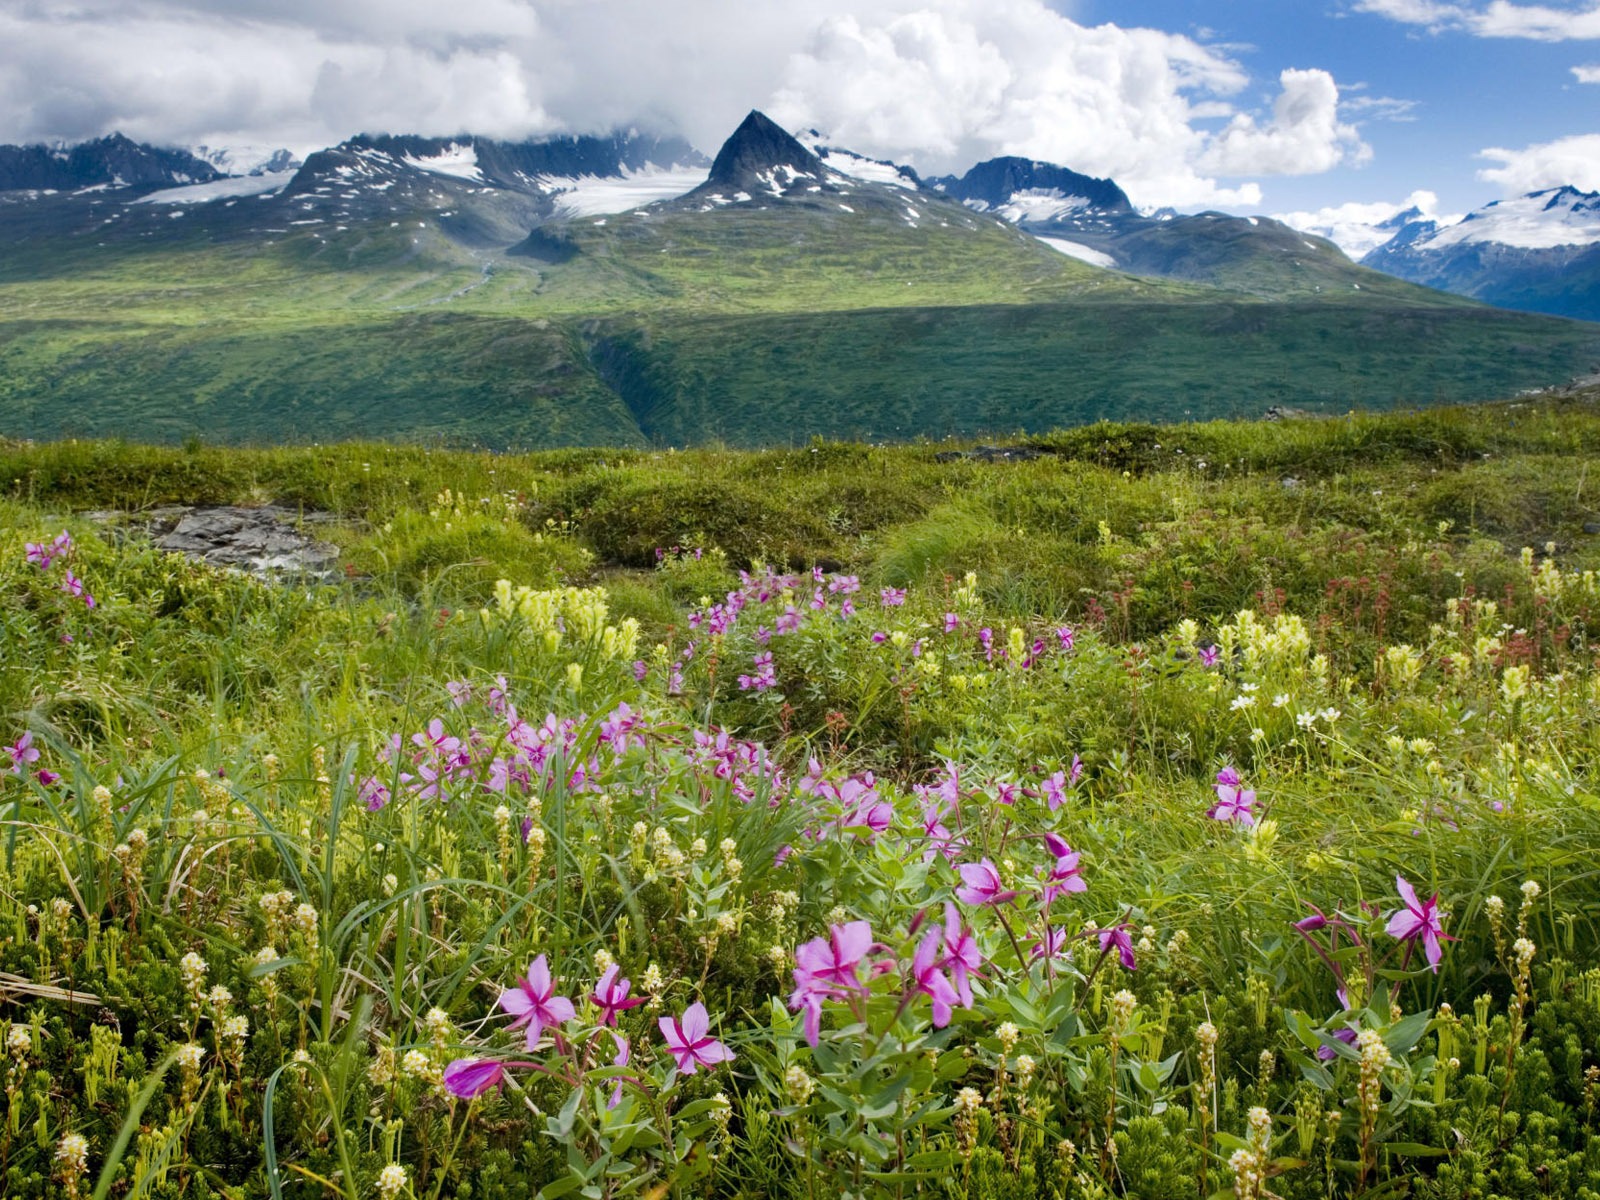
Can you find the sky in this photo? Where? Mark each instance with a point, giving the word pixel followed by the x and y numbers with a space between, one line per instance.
pixel 1329 109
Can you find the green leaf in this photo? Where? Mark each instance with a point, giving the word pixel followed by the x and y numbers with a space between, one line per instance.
pixel 560 1187
pixel 1405 1034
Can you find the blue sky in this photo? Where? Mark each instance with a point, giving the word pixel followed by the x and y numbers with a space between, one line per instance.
pixel 1465 92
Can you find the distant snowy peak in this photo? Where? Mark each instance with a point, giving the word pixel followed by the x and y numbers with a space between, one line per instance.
pixel 109 162
pixel 1027 191
pixel 1539 252
pixel 858 166
pixel 248 160
pixel 1542 220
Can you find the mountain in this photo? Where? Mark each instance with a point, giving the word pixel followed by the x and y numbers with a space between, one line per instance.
pixel 1539 252
pixel 1093 220
pixel 113 161
pixel 858 166
pixel 624 290
pixel 1023 190
pixel 248 160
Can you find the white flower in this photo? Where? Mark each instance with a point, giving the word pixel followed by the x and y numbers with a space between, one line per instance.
pixel 391 1181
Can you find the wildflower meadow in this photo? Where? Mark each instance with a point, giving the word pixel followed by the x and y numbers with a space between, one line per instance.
pixel 1148 827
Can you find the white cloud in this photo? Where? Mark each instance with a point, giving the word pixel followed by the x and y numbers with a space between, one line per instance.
pixel 1588 74
pixel 1304 136
pixel 1571 161
pixel 1498 19
pixel 1355 226
pixel 939 83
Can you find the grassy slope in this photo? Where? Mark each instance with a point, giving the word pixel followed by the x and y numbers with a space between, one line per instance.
pixel 678 327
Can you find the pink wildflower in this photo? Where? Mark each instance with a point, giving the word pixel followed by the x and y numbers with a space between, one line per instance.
pixel 690 1042
pixel 1418 921
pixel 533 1003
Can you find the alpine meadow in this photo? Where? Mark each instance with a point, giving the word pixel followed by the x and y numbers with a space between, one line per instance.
pixel 1019 628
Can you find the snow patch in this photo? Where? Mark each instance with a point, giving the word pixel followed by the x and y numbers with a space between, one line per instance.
pixel 456 160
pixel 220 189
pixel 1038 204
pixel 595 196
pixel 1077 250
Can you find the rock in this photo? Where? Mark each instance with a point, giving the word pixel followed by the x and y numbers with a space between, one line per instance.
pixel 1591 526
pixel 990 454
pixel 270 539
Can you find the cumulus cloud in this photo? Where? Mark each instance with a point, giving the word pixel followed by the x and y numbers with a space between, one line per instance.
pixel 1357 227
pixel 1500 19
pixel 1588 74
pixel 1571 161
pixel 1304 136
pixel 938 83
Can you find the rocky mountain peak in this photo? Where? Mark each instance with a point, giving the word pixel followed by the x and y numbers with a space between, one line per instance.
pixel 761 156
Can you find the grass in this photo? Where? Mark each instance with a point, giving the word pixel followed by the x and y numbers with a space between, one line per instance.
pixel 748 328
pixel 1339 609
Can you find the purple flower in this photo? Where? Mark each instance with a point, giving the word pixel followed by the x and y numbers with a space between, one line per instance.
pixel 48 777
pixel 471 1077
pixel 1209 656
pixel 1006 792
pixel 460 692
pixel 951 622
pixel 961 953
pixel 1418 922
pixel 928 975
pixel 533 1003
pixel 892 597
pixel 1117 937
pixel 1067 635
pixel 1346 1035
pixel 73 586
pixel 22 752
pixel 1234 802
pixel 764 678
pixel 827 967
pixel 980 884
pixel 690 1042
pixel 1064 876
pixel 41 554
pixel 640 670
pixel 611 996
pixel 372 793
pixel 1052 945
pixel 833 961
pixel 621 1060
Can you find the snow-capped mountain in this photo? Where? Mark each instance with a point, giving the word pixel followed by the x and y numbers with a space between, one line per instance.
pixel 858 166
pixel 248 160
pixel 1539 252
pixel 475 191
pixel 114 161
pixel 763 165
pixel 1024 191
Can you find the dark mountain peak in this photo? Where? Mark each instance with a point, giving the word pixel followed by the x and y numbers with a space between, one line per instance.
pixel 1571 197
pixel 522 166
pixel 762 156
pixel 114 160
pixel 994 183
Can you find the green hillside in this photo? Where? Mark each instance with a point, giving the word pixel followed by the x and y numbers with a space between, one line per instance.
pixel 886 314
